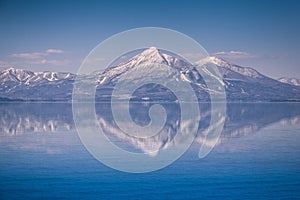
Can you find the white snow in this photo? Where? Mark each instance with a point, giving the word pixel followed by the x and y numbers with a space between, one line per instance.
pixel 246 71
pixel 291 81
pixel 21 76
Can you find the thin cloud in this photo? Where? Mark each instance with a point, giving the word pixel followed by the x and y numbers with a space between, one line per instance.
pixel 57 51
pixel 50 57
pixel 49 62
pixel 35 55
pixel 234 55
pixel 64 62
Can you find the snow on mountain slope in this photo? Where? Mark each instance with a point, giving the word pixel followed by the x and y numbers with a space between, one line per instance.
pixel 16 75
pixel 241 83
pixel 22 76
pixel 28 85
pixel 188 73
pixel 291 81
pixel 148 57
pixel 226 67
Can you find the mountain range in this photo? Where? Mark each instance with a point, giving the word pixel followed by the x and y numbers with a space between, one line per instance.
pixel 241 83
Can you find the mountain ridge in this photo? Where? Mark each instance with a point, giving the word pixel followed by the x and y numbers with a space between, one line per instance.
pixel 291 81
pixel 241 83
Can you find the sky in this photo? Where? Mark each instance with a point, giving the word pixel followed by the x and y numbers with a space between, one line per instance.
pixel 58 35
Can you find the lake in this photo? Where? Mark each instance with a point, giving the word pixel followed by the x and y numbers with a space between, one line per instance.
pixel 257 157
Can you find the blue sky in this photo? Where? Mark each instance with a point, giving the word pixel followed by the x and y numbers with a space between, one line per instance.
pixel 57 35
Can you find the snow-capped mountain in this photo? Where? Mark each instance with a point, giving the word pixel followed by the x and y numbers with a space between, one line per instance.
pixel 241 83
pixel 246 84
pixel 28 85
pixel 147 58
pixel 292 81
pixel 21 76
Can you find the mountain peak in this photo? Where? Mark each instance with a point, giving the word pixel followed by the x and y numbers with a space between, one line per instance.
pixel 147 57
pixel 151 55
pixel 10 69
pixel 218 61
pixel 223 64
pixel 151 50
pixel 16 71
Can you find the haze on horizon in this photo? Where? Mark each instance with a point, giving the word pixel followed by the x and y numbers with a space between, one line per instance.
pixel 57 35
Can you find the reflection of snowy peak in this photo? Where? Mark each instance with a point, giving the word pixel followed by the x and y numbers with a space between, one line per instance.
pixel 20 118
pixel 241 120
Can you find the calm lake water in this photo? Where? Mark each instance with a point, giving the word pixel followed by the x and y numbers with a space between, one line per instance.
pixel 257 157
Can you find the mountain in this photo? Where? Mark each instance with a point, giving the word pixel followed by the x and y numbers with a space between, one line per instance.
pixel 27 85
pixel 241 83
pixel 142 64
pixel 291 81
pixel 246 84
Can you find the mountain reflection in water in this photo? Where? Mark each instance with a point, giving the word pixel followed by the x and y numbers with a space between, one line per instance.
pixel 242 119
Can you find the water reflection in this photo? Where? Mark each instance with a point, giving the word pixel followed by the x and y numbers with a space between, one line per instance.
pixel 245 119
pixel 242 119
pixel 20 118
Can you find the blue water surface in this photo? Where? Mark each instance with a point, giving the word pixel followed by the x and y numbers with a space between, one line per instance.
pixel 53 164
